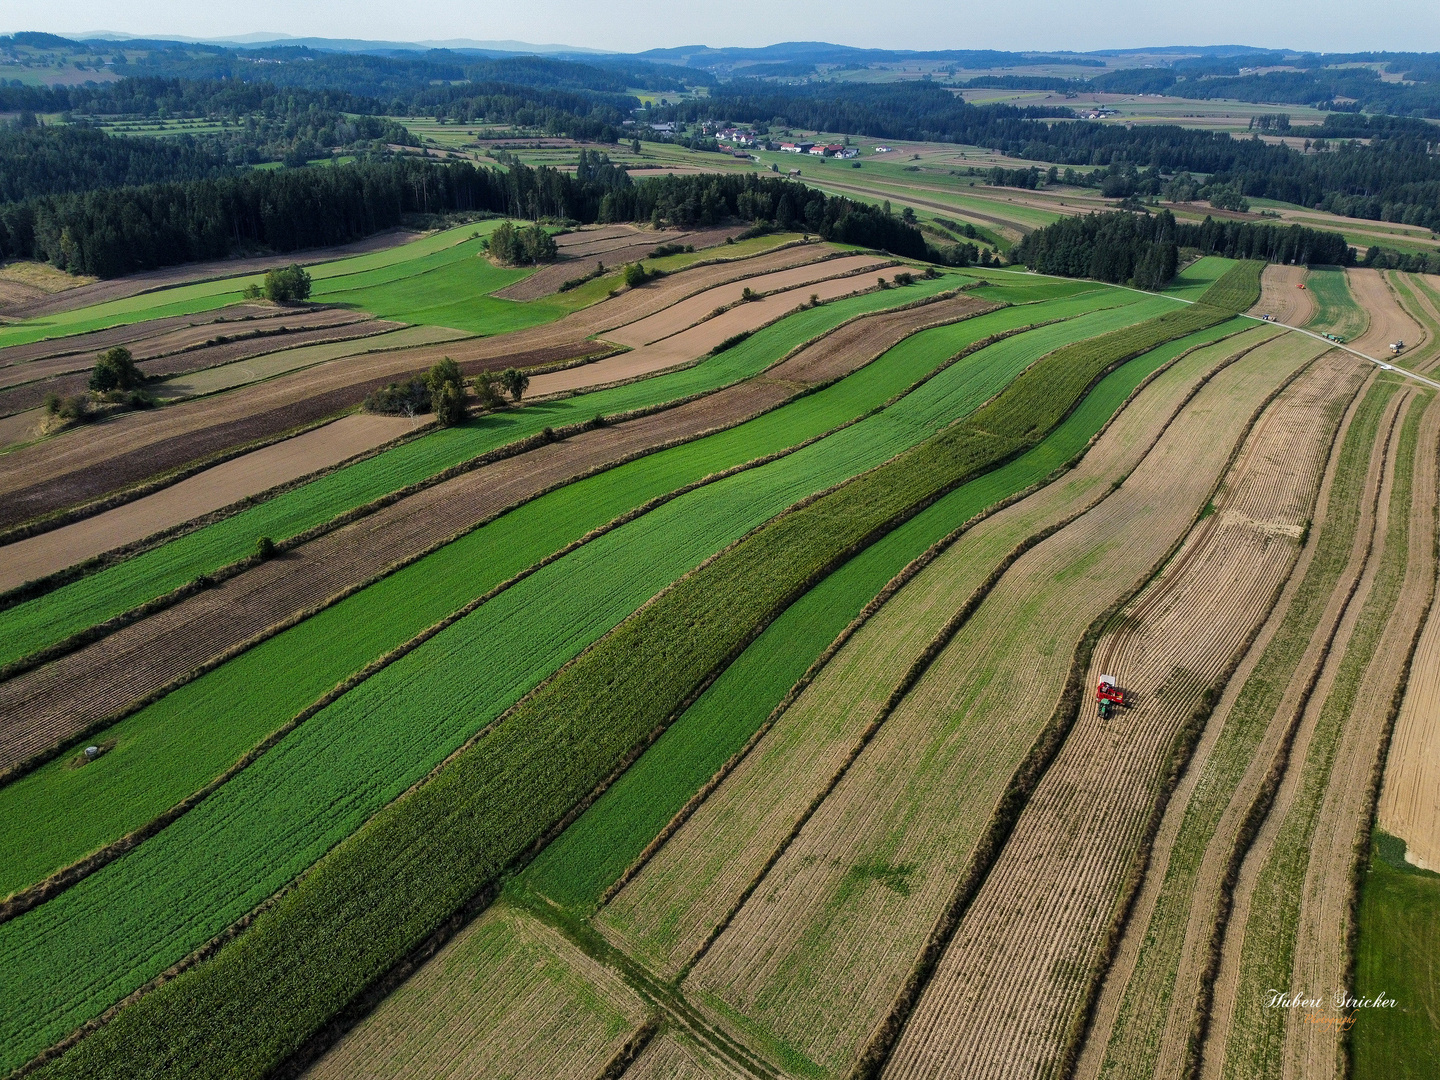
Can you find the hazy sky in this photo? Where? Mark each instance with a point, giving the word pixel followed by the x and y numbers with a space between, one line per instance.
pixel 632 25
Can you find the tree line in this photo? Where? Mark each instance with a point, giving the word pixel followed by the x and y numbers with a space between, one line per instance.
pixel 1143 249
pixel 115 231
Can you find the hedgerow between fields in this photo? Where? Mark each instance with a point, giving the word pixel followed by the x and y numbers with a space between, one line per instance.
pixel 380 894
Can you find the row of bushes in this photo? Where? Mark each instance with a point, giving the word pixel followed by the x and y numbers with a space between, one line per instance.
pixel 404 875
pixel 442 391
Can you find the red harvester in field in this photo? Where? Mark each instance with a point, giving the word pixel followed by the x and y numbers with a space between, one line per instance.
pixel 1108 694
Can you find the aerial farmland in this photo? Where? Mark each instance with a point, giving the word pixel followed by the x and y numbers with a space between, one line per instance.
pixel 511 576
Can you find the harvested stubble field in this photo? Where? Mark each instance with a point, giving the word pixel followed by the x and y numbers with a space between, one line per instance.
pixel 37 624
pixel 390 901
pixel 1281 296
pixel 844 911
pixel 679 886
pixel 1143 1019
pixel 579 867
pixel 1420 305
pixel 96 460
pixel 1389 322
pixel 1087 820
pixel 553 1013
pixel 1270 940
pixel 293 803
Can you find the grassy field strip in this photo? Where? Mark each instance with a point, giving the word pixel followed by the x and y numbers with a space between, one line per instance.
pixel 825 943
pixel 1192 282
pixel 1266 915
pixel 580 866
pixel 509 546
pixel 1346 826
pixel 554 1012
pixel 1090 819
pixel 208 295
pixel 698 860
pixel 725 604
pixel 1145 1011
pixel 1363 697
pixel 1010 211
pixel 268 365
pixel 1399 939
pixel 1216 1010
pixel 28 627
pixel 1336 311
pixel 625 566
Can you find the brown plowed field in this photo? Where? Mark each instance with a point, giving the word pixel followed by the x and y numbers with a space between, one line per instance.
pixel 1281 297
pixel 227 483
pixel 85 346
pixel 262 328
pixel 507 997
pixel 667 910
pixel 1224 1003
pixel 91 461
pixel 584 259
pixel 51 702
pixel 853 898
pixel 1118 979
pixel 1312 1051
pixel 118 288
pixel 1027 942
pixel 32 394
pixel 696 342
pixel 1388 320
pixel 689 312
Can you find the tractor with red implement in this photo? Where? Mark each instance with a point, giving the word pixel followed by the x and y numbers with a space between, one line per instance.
pixel 1109 694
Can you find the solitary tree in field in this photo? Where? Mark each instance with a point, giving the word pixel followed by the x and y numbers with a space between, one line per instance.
pixel 291 283
pixel 447 392
pixel 515 382
pixel 115 370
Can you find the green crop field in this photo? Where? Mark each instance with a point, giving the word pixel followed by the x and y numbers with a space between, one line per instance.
pixel 1397 955
pixel 391 879
pixel 36 624
pixel 361 275
pixel 295 802
pixel 1191 282
pixel 577 868
pixel 1336 311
